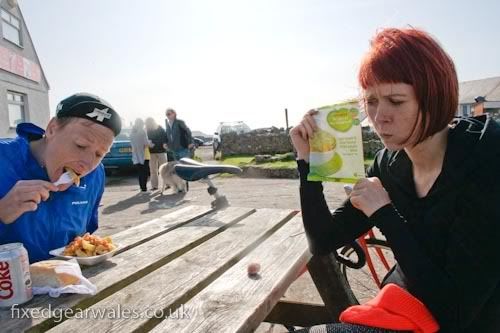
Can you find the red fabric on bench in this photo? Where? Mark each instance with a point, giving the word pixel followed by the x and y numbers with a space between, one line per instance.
pixel 393 308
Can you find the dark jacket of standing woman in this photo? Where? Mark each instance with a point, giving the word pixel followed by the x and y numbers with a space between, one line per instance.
pixel 158 137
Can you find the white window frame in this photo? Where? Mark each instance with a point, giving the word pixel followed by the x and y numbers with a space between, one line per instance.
pixel 21 102
pixel 10 19
pixel 465 110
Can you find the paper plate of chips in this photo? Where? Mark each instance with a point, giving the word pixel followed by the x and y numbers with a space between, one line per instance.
pixel 88 249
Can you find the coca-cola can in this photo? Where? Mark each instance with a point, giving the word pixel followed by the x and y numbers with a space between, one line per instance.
pixel 15 279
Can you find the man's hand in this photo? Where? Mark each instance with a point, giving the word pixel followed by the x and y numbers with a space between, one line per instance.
pixel 190 146
pixel 301 134
pixel 25 196
pixel 368 195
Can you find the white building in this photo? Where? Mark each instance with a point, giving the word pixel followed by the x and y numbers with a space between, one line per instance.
pixel 23 86
pixel 480 96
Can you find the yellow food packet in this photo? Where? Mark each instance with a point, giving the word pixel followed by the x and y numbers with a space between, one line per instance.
pixel 336 150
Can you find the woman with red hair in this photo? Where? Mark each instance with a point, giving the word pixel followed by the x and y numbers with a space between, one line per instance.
pixel 433 191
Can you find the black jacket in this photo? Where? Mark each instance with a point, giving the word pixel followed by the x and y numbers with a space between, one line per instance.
pixel 159 137
pixel 178 136
pixel 444 243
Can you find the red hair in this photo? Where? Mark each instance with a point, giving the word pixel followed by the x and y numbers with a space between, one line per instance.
pixel 413 57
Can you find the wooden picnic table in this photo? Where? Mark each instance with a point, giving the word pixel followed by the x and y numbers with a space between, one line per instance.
pixel 187 272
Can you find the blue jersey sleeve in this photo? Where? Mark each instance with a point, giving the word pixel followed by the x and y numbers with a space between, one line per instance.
pixel 93 224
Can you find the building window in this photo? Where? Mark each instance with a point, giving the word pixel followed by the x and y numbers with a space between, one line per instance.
pixel 11 28
pixel 15 102
pixel 465 110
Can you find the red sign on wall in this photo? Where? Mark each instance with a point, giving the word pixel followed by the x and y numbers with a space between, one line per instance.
pixel 17 64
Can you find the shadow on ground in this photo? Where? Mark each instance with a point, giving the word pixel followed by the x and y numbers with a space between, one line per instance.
pixel 156 201
pixel 138 198
pixel 165 201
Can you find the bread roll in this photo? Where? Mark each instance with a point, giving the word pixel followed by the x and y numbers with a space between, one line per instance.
pixel 43 274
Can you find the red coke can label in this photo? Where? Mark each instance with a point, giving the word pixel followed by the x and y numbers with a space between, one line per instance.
pixel 15 280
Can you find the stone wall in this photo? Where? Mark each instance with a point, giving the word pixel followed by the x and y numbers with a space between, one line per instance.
pixel 276 141
pixel 371 143
pixel 253 171
pixel 261 141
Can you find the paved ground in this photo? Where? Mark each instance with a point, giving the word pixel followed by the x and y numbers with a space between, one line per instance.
pixel 124 206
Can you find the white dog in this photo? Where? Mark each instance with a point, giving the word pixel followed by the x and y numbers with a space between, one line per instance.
pixel 170 178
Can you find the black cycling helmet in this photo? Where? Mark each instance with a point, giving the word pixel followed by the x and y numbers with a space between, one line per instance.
pixel 91 107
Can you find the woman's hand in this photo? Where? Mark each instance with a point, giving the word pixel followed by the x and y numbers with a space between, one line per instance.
pixel 368 195
pixel 25 196
pixel 301 134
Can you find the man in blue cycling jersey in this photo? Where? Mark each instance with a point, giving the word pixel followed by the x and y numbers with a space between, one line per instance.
pixel 33 210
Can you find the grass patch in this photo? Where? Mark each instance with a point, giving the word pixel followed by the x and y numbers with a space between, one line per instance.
pixel 278 165
pixel 246 160
pixel 238 160
pixel 368 162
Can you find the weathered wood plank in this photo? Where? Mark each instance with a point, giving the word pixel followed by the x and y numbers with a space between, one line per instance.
pixel 127 267
pixel 298 314
pixel 173 284
pixel 331 284
pixel 237 303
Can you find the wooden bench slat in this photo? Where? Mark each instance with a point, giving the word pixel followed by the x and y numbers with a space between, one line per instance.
pixel 183 277
pixel 154 228
pixel 126 267
pixel 236 303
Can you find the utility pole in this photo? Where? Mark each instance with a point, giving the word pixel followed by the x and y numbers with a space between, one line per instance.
pixel 286 119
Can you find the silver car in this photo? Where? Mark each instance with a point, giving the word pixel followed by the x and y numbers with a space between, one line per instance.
pixel 225 128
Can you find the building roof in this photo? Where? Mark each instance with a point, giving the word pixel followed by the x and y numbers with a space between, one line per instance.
pixel 488 88
pixel 199 133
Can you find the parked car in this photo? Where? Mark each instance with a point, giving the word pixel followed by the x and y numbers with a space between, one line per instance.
pixel 120 154
pixel 238 127
pixel 198 142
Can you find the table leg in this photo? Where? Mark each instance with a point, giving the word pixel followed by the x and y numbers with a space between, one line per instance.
pixel 331 284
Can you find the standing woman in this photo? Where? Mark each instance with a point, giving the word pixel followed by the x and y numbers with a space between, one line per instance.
pixel 158 138
pixel 434 192
pixel 140 144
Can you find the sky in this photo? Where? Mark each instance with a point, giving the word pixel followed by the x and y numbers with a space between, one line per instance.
pixel 238 60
